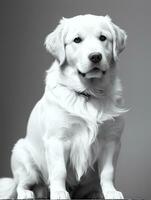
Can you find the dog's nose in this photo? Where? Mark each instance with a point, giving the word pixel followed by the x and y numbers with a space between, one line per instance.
pixel 95 57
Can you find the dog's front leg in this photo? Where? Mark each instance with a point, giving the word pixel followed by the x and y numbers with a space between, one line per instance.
pixel 107 165
pixel 56 164
pixel 111 134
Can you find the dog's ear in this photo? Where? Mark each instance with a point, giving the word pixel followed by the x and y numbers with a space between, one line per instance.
pixel 119 40
pixel 119 37
pixel 55 42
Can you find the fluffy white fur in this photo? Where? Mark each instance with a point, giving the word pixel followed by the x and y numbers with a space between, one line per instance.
pixel 79 116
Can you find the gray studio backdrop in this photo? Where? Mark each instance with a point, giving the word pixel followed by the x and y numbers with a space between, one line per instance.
pixel 24 60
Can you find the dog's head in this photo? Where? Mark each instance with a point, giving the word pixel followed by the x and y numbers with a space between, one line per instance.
pixel 88 45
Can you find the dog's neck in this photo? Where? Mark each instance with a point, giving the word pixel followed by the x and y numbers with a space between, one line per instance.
pixel 85 103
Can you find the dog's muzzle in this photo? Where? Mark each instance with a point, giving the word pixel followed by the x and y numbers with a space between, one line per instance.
pixel 95 59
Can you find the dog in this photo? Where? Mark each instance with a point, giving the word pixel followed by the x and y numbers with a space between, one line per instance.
pixel 73 133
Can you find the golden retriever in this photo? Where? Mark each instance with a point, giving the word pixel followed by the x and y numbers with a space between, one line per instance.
pixel 75 128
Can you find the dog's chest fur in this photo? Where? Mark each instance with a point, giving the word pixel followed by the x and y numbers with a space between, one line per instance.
pixel 83 146
pixel 84 137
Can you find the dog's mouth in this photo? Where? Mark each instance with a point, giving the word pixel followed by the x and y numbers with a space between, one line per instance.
pixel 93 73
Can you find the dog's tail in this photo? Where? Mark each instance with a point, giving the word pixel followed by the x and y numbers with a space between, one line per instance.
pixel 7 188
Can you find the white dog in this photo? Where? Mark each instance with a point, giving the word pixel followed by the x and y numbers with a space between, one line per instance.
pixel 76 126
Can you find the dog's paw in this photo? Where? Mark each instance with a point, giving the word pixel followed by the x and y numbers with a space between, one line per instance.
pixel 59 194
pixel 25 194
pixel 113 194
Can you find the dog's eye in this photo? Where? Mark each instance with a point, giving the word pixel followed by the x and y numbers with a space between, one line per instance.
pixel 102 38
pixel 77 40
